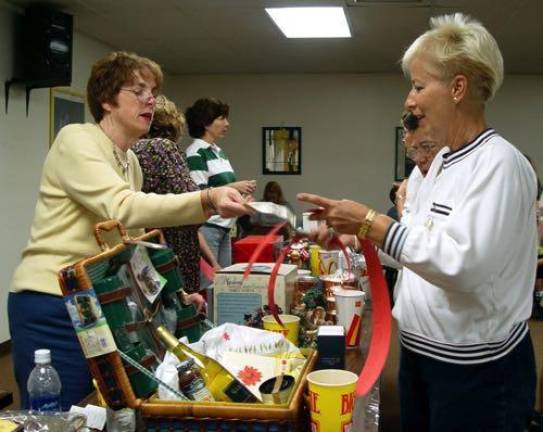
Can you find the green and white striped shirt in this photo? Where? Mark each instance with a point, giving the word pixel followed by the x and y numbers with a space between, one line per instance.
pixel 209 167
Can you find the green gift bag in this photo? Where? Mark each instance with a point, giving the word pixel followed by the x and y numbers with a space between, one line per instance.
pixel 189 322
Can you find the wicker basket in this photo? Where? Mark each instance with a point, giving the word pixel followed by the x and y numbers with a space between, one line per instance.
pixel 114 384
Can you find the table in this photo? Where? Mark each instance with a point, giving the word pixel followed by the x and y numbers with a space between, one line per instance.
pixel 366 409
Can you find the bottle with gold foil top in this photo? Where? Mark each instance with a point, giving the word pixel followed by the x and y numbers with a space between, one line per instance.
pixel 222 384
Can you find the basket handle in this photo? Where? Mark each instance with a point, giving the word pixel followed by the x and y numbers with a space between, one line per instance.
pixel 108 226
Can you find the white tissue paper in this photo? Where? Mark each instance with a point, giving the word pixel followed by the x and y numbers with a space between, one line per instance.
pixel 251 355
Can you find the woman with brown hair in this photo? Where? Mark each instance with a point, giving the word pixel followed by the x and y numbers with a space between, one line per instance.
pixel 273 193
pixel 90 175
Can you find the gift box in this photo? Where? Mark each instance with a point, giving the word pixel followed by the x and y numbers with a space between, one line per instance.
pixel 243 249
pixel 233 298
pixel 331 347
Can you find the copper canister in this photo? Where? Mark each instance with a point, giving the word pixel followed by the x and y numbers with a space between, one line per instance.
pixel 304 283
pixel 330 281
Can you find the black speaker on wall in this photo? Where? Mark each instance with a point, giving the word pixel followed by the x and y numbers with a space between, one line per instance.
pixel 47 47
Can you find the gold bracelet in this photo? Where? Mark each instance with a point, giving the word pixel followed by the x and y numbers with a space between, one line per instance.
pixel 212 205
pixel 366 225
pixel 207 202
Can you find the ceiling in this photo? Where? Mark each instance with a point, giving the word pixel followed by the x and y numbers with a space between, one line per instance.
pixel 237 36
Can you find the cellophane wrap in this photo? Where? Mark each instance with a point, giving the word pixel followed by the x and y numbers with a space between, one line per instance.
pixel 46 422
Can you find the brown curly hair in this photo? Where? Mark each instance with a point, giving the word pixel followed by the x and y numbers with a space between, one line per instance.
pixel 114 71
pixel 168 121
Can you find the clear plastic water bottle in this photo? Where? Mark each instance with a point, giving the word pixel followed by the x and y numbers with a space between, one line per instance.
pixel 43 384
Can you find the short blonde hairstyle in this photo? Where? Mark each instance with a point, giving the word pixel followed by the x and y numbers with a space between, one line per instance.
pixel 458 45
pixel 168 121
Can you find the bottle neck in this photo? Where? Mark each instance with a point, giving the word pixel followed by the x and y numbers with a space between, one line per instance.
pixel 169 340
pixel 172 344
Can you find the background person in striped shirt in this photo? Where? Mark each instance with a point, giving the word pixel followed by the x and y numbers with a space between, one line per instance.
pixel 207 122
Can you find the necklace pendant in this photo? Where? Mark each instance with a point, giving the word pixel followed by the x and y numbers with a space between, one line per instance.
pixel 122 165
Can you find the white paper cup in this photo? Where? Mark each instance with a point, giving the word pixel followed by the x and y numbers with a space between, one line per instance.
pixel 307 224
pixel 349 305
pixel 329 261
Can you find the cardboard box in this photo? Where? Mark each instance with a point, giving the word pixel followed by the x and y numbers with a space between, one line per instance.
pixel 232 299
pixel 243 249
pixel 331 347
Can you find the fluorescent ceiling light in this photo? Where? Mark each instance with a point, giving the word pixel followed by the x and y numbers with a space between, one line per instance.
pixel 311 22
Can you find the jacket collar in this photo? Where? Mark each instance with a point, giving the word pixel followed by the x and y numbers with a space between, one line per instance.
pixel 453 157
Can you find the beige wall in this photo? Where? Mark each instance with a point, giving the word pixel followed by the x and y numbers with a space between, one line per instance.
pixel 24 143
pixel 348 132
pixel 347 125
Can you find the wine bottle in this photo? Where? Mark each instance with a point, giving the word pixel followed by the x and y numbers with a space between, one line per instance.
pixel 222 384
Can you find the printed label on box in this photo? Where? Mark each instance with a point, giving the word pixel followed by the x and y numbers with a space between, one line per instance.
pixel 148 279
pixel 244 297
pixel 231 307
pixel 89 323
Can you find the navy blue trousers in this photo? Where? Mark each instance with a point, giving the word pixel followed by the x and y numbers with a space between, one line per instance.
pixel 42 321
pixel 497 396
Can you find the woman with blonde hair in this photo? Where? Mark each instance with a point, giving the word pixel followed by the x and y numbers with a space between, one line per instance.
pixel 165 170
pixel 467 361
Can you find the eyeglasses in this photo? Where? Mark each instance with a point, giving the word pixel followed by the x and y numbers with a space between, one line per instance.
pixel 424 147
pixel 142 94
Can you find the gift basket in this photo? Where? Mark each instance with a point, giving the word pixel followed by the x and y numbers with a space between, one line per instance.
pixel 116 300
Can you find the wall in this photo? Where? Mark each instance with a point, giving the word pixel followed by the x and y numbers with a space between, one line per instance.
pixel 24 143
pixel 347 125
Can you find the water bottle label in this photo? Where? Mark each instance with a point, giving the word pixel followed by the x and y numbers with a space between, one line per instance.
pixel 44 403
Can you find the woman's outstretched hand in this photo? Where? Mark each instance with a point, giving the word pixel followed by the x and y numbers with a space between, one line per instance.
pixel 229 202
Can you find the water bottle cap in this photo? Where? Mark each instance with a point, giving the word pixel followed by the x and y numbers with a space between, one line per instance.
pixel 42 356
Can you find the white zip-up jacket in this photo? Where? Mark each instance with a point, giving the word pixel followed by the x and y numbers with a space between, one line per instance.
pixel 469 254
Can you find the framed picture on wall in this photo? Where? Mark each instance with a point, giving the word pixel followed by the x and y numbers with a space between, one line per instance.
pixel 282 150
pixel 402 164
pixel 65 106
